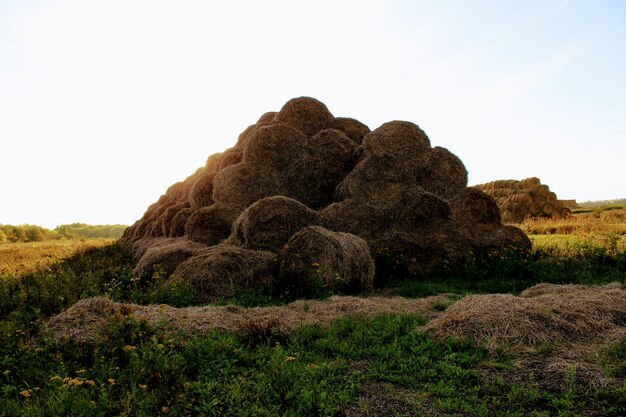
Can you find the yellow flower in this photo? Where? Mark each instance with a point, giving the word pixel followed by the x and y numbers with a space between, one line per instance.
pixel 290 358
pixel 25 393
pixel 129 348
pixel 75 382
pixel 165 409
pixel 313 366
pixel 90 382
pixel 143 386
pixel 111 381
pixel 81 371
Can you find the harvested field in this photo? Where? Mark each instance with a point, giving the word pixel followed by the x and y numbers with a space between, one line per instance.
pixel 88 320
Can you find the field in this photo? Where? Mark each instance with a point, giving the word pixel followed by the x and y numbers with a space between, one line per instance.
pixel 358 366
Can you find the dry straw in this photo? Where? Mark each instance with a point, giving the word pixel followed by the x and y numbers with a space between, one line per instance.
pixel 305 114
pixel 165 258
pixel 222 271
pixel 333 260
pixel 541 316
pixel 87 322
pixel 387 186
pixel 210 225
pixel 269 223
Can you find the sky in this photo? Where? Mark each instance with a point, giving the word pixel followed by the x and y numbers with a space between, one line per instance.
pixel 105 103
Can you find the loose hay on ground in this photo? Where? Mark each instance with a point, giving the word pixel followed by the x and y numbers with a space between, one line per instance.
pixel 503 322
pixel 87 322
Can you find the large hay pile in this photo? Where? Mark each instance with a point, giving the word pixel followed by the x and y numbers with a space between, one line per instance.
pixel 389 193
pixel 519 200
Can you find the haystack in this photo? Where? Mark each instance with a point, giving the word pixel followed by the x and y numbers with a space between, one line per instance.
pixel 316 258
pixel 269 223
pixel 327 158
pixel 223 271
pixel 210 225
pixel 442 173
pixel 230 157
pixel 305 114
pixel 177 225
pixel 201 192
pixel 406 199
pixel 550 315
pixel 352 128
pixel 165 258
pixel 397 138
pixel 241 185
pixel 274 146
pixel 523 199
pixel 165 220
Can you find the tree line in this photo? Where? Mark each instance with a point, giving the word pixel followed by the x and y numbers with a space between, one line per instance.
pixel 33 233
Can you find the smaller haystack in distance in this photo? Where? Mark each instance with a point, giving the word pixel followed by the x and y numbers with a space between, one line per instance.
pixel 523 199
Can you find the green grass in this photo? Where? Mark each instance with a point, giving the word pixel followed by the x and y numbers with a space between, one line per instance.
pixel 384 361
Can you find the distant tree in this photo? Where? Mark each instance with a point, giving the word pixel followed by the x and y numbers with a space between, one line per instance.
pixel 34 234
pixel 3 237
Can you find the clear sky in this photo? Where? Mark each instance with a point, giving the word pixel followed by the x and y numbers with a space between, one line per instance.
pixel 104 104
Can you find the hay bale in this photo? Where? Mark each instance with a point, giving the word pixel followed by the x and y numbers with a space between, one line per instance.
pixel 230 157
pixel 442 173
pixel 317 258
pixel 354 129
pixel 472 206
pixel 210 225
pixel 369 176
pixel 165 221
pixel 269 223
pixel 166 257
pixel 529 182
pixel 306 114
pixel 177 225
pixel 509 323
pixel 265 119
pixel 397 138
pixel 201 192
pixel 140 246
pixel 422 251
pixel 242 184
pixel 395 207
pixel 212 162
pixel 275 146
pixel 223 271
pixel 312 180
pixel 497 239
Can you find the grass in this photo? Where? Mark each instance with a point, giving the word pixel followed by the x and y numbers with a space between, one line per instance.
pixel 375 366
pixel 18 259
